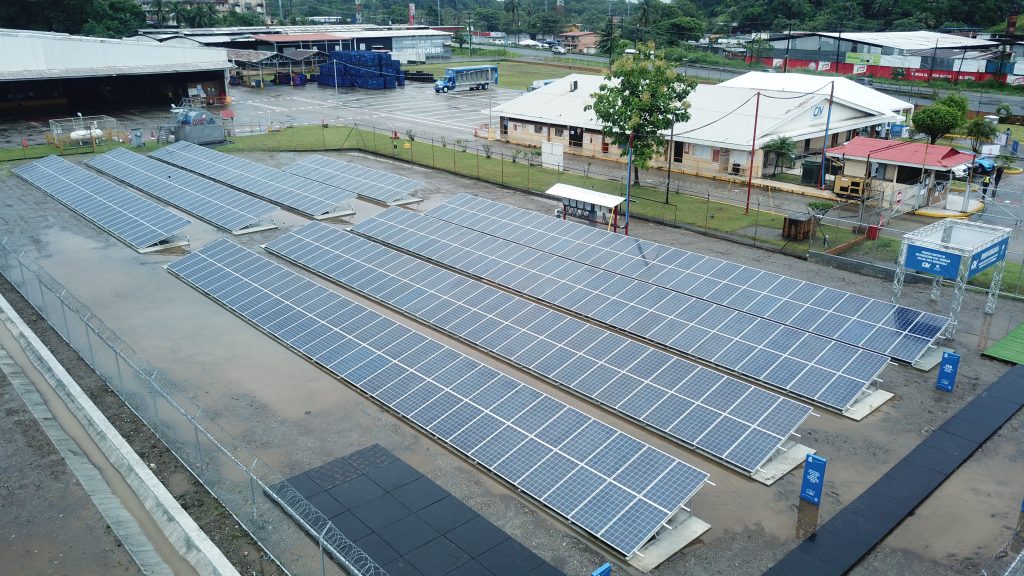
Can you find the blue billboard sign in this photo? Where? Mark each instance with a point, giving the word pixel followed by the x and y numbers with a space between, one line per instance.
pixel 932 261
pixel 1016 147
pixel 604 570
pixel 814 479
pixel 947 371
pixel 987 257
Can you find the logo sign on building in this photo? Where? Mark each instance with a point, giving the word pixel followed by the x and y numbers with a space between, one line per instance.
pixel 855 58
pixel 947 371
pixel 860 68
pixel 818 111
pixel 938 262
pixel 814 479
pixel 987 257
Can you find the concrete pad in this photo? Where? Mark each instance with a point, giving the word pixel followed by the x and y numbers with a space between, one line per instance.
pixel 931 358
pixel 669 542
pixel 781 465
pixel 866 405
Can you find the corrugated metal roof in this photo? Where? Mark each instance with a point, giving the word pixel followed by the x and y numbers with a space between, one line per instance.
pixel 111 71
pixel 845 89
pixel 918 40
pixel 41 55
pixel 932 156
pixel 298 37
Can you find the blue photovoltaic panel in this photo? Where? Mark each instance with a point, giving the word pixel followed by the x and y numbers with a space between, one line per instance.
pixel 312 199
pixel 467 405
pixel 896 331
pixel 217 204
pixel 830 373
pixel 655 388
pixel 135 221
pixel 366 182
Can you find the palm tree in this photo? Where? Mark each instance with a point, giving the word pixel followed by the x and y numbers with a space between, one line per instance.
pixel 182 15
pixel 159 7
pixel 512 7
pixel 783 147
pixel 204 15
pixel 644 13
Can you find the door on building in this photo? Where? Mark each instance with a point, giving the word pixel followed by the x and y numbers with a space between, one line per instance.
pixel 576 137
pixel 504 126
pixel 677 151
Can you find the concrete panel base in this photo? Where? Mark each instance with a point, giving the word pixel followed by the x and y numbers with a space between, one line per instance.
pixel 781 465
pixel 669 541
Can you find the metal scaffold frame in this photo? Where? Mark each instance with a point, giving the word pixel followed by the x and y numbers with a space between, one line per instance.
pixel 958 245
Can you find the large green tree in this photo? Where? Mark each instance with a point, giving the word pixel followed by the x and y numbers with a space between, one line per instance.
pixel 936 121
pixel 641 97
pixel 784 150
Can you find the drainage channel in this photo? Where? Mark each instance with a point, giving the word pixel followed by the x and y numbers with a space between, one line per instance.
pixel 117 502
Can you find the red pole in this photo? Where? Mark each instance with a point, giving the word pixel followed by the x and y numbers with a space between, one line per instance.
pixel 753 151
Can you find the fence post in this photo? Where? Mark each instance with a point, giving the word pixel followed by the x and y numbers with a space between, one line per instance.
pixel 432 165
pixel 152 391
pixel 42 299
pixel 252 491
pixel 199 451
pixel 117 366
pixel 64 314
pixel 88 341
pixel 21 268
pixel 757 217
pixel 323 565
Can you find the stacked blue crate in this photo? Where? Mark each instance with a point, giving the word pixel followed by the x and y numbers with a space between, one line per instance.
pixel 363 69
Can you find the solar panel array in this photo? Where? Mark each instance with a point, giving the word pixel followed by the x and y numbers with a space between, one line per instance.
pixel 830 373
pixel 366 182
pixel 615 487
pixel 135 221
pixel 896 331
pixel 309 198
pixel 730 420
pixel 219 205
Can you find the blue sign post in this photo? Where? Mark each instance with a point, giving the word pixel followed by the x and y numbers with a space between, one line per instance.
pixel 604 570
pixel 938 262
pixel 1016 147
pixel 947 371
pixel 992 255
pixel 814 479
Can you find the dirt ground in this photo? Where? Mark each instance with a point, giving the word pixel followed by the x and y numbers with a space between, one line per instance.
pixel 295 416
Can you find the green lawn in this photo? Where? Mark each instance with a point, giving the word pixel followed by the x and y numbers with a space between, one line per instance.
pixel 514 75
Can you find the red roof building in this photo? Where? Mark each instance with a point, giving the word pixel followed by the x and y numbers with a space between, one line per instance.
pixel 911 154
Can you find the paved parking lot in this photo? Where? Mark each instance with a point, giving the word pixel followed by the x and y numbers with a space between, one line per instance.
pixel 414 106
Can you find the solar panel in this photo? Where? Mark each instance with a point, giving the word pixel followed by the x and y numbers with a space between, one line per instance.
pixel 287 190
pixel 214 203
pixel 657 389
pixel 135 221
pixel 829 373
pixel 897 331
pixel 368 183
pixel 486 415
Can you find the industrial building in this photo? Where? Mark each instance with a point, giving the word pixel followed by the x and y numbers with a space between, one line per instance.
pixel 63 74
pixel 406 43
pixel 717 138
pixel 919 55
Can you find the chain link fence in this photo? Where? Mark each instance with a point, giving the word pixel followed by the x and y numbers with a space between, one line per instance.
pixel 253 492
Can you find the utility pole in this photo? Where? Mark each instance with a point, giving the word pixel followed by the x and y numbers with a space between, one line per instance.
pixel 839 42
pixel 785 60
pixel 438 12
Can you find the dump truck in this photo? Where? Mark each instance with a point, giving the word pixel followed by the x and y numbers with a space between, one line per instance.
pixel 475 77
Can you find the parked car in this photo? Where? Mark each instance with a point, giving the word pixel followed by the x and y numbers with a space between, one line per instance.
pixel 984 164
pixel 865 82
pixel 558 50
pixel 549 43
pixel 961 171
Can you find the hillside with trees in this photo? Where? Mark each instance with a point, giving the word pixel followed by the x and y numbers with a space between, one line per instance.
pixel 663 22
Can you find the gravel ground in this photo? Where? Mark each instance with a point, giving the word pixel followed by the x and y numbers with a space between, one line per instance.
pixel 295 416
pixel 45 475
pixel 49 524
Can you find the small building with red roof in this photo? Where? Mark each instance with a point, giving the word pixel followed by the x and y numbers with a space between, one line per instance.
pixel 906 173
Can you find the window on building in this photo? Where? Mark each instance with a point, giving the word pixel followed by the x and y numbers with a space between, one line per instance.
pixel 538 129
pixel 701 151
pixel 559 132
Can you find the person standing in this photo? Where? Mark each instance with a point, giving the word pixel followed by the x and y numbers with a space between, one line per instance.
pixel 985 182
pixel 998 177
